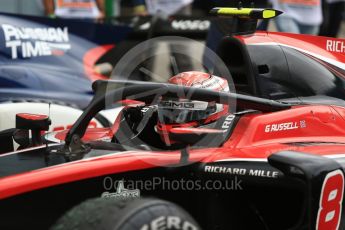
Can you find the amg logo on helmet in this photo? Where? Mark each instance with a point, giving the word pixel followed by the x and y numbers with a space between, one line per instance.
pixel 176 105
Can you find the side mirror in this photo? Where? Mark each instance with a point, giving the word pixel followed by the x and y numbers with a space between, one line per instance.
pixel 34 122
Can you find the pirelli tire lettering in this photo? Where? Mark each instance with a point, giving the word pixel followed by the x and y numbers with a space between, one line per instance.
pixel 129 214
pixel 169 222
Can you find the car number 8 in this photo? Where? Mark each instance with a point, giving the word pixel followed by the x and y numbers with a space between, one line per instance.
pixel 331 199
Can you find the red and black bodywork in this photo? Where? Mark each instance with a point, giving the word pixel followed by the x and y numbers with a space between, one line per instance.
pixel 288 155
pixel 281 65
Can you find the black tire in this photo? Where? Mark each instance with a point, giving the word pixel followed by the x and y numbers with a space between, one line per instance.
pixel 140 214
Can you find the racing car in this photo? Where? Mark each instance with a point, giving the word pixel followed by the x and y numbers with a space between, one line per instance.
pixel 47 67
pixel 199 157
pixel 53 60
pixel 277 65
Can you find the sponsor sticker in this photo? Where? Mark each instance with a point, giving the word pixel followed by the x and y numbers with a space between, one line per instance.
pixel 241 171
pixel 191 24
pixel 337 46
pixel 228 121
pixel 26 42
pixel 122 193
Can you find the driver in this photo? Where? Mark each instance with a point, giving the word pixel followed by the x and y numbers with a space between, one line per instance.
pixel 176 115
pixel 176 120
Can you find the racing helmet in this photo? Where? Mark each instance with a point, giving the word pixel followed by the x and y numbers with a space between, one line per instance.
pixel 174 113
